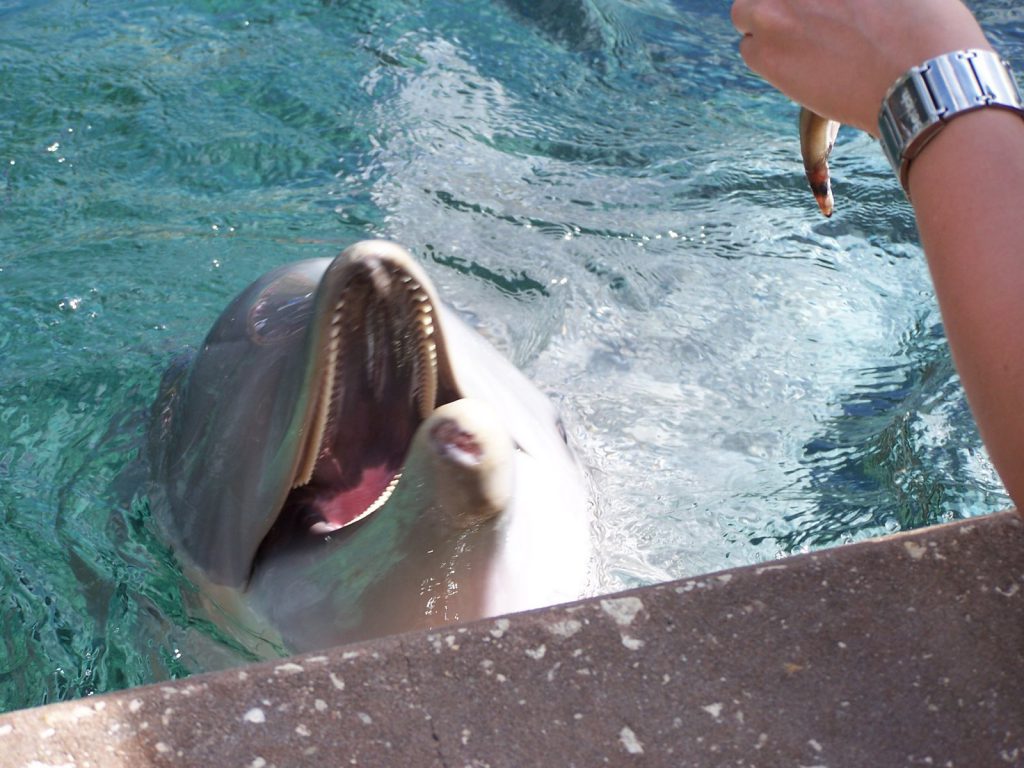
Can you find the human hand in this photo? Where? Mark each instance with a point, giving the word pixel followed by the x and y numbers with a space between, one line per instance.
pixel 839 58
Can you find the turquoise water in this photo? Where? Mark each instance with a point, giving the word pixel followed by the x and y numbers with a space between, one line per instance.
pixel 599 185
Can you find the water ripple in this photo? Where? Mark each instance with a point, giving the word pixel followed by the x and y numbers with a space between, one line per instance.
pixel 600 186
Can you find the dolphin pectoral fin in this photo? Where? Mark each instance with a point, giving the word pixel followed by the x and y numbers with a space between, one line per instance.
pixel 817 136
pixel 471 460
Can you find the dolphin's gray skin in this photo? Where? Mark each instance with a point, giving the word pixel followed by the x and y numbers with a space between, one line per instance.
pixel 345 459
pixel 817 137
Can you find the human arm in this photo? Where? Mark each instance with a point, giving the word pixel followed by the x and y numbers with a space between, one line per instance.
pixel 967 185
pixel 968 195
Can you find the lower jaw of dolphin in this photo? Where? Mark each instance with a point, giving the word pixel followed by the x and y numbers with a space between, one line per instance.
pixel 380 380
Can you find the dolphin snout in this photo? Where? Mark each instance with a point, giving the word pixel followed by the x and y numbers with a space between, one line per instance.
pixel 379 276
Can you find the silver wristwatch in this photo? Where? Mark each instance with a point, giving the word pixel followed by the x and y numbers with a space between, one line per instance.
pixel 930 95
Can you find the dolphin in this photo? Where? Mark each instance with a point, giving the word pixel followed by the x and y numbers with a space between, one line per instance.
pixel 344 458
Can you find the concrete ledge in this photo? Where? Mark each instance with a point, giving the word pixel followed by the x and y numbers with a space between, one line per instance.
pixel 903 651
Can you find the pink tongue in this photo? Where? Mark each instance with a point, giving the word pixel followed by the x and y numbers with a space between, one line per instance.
pixel 342 508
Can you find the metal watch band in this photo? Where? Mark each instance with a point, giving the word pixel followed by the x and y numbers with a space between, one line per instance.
pixel 923 100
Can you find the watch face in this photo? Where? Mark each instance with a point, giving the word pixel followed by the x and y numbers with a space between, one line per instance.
pixel 912 106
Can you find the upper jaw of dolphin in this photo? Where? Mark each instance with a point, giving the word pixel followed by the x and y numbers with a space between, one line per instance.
pixel 380 368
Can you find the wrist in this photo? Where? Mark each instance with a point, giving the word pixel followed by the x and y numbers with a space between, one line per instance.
pixel 925 29
pixel 929 96
pixel 980 149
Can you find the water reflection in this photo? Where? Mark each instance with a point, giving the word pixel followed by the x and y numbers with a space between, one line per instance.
pixel 891 458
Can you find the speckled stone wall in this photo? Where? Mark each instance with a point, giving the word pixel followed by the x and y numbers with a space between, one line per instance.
pixel 904 651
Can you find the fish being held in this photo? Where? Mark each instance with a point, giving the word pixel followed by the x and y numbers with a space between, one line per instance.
pixel 817 137
pixel 344 458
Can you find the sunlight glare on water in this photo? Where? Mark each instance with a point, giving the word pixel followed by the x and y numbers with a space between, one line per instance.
pixel 599 186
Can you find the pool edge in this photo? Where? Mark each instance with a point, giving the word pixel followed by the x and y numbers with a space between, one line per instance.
pixel 903 650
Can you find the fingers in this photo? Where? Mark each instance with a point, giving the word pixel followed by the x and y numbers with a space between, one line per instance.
pixel 756 17
pixel 748 51
pixel 754 20
pixel 741 14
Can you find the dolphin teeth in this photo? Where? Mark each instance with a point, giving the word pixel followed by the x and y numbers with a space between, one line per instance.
pixel 323 528
pixel 427 322
pixel 425 359
pixel 322 409
pixel 311 453
pixel 384 496
pixel 427 382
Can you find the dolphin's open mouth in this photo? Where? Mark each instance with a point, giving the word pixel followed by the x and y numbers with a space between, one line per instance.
pixel 380 380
